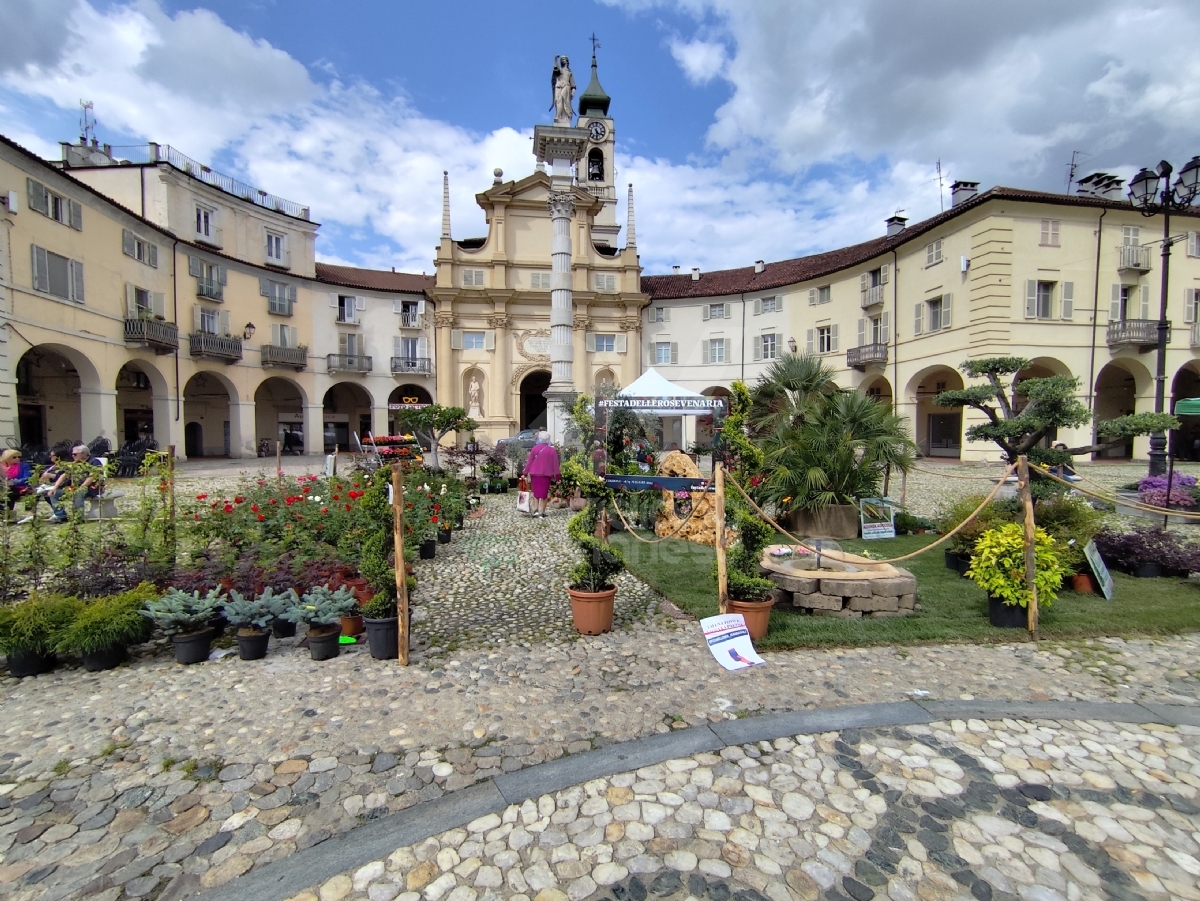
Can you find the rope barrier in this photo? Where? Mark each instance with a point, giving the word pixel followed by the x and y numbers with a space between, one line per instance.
pixel 928 547
pixel 661 538
pixel 946 475
pixel 1123 502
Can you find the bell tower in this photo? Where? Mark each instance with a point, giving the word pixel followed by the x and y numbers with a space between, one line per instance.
pixel 597 168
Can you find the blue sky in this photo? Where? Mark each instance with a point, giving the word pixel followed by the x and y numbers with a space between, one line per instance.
pixel 750 128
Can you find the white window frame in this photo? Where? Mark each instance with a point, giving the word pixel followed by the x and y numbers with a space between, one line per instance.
pixel 717 351
pixel 1049 236
pixel 206 221
pixel 276 247
pixel 472 278
pixel 54 206
pixel 210 321
pixel 769 304
pixel 716 311
pixel 660 314
pixel 1044 300
pixel 606 343
pixel 933 253
pixel 824 339
pixel 474 340
pixel 769 346
pixel 934 314
pixel 665 353
pixel 71 274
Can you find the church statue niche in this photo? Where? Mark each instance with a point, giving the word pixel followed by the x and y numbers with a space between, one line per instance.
pixel 595 165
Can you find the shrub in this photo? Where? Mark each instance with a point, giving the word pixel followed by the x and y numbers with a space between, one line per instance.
pixel 249 613
pixel 998 565
pixel 1069 519
pixel 36 625
pixel 322 606
pixel 993 515
pixel 180 613
pixel 601 563
pixel 1142 545
pixel 754 535
pixel 908 524
pixel 279 602
pixel 379 607
pixel 111 622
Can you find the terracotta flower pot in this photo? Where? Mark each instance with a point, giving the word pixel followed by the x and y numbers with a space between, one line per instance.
pixel 757 615
pixel 578 501
pixel 352 625
pixel 1081 583
pixel 592 610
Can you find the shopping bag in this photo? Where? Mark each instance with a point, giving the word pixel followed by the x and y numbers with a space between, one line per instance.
pixel 523 501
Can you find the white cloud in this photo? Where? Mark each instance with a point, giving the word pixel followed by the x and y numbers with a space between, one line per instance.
pixel 701 61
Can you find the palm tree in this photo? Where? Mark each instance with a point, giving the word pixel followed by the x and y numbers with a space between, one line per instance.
pixel 786 388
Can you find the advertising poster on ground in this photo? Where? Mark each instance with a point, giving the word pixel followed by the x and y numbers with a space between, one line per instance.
pixel 729 641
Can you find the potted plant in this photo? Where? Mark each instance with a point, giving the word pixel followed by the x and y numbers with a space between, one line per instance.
pixel 104 628
pixel 186 619
pixel 1147 552
pixel 30 631
pixel 749 593
pixel 383 627
pixel 590 585
pixel 322 609
pixel 958 551
pixel 252 619
pixel 998 567
pixel 280 602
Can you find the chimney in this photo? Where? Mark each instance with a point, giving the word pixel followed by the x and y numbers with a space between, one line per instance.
pixel 674 270
pixel 962 191
pixel 895 225
pixel 759 266
pixel 695 273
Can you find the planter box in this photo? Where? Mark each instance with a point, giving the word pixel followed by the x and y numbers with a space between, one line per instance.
pixel 834 521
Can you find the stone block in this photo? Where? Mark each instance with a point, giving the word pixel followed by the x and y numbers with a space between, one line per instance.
pixel 847 588
pixel 846 613
pixel 781 596
pixel 873 604
pixel 796 584
pixel 817 601
pixel 894 587
pixel 907 601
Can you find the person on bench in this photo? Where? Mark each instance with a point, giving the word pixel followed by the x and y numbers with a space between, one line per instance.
pixel 51 485
pixel 16 477
pixel 91 486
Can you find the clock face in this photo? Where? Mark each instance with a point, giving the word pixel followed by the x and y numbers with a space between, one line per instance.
pixel 597 131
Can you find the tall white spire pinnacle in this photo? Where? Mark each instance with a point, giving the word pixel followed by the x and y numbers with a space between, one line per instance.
pixel 445 204
pixel 631 228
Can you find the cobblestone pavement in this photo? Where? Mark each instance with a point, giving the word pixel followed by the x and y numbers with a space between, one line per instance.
pixel 973 810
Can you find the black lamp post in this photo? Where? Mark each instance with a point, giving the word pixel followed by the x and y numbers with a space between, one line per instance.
pixel 1145 194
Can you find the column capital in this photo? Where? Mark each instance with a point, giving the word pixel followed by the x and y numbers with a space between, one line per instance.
pixel 582 322
pixel 498 320
pixel 444 319
pixel 561 203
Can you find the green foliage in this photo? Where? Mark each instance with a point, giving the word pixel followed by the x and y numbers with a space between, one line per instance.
pixel 249 613
pixel 379 607
pixel 108 622
pixel 998 565
pixel 1069 519
pixel 36 625
pixel 322 606
pixel 278 602
pixel 1136 424
pixel 433 423
pixel 994 366
pixel 741 564
pixel 601 563
pixel 992 516
pixel 787 388
pixel 180 613
pixel 740 454
pixel 907 523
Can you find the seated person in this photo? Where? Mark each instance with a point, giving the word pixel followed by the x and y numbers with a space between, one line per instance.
pixel 51 485
pixel 1064 470
pixel 16 477
pixel 88 483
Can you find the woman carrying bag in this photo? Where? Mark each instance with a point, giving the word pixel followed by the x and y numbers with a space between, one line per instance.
pixel 542 468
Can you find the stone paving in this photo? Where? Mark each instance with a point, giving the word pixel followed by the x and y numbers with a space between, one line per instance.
pixel 1003 810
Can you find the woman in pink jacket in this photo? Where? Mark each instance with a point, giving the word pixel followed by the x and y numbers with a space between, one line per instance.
pixel 542 468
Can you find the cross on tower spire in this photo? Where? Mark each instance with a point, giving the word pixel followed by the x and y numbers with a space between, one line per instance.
pixel 595 46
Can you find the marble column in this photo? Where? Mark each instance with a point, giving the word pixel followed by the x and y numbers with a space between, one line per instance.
pixel 498 378
pixel 446 370
pixel 583 371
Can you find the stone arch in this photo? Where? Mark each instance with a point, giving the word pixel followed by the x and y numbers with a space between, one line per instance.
pixel 606 377
pixel 279 404
pixel 208 423
pixel 595 164
pixel 60 397
pixel 1119 386
pixel 143 403
pixel 405 394
pixel 347 410
pixel 1186 384
pixel 533 400
pixel 938 430
pixel 878 387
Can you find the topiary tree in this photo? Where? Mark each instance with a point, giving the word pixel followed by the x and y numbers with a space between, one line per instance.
pixel 1050 404
pixel 434 422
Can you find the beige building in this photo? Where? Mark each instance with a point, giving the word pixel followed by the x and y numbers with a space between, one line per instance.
pixel 1069 281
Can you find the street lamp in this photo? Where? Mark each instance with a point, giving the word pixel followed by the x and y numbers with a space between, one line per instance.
pixel 1145 194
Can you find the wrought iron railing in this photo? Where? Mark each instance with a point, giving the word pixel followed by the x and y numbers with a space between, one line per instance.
pixel 348 363
pixel 210 288
pixel 203 344
pixel 1134 257
pixel 858 357
pixel 154 332
pixel 413 365
pixel 1139 332
pixel 872 296
pixel 274 355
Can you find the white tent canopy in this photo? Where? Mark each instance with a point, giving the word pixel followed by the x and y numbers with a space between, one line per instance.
pixel 651 393
pixel 651 384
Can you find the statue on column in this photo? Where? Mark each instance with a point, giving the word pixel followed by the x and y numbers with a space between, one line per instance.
pixel 562 85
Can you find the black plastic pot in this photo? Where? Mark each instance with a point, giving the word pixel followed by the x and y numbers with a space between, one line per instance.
pixel 324 647
pixel 503 487
pixel 458 521
pixel 253 647
pixel 218 624
pixel 1148 570
pixel 105 658
pixel 192 648
pixel 951 557
pixel 22 664
pixel 427 549
pixel 281 628
pixel 484 488
pixel 513 482
pixel 444 536
pixel 383 637
pixel 1006 616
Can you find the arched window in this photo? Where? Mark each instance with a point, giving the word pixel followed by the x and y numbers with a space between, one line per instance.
pixel 595 169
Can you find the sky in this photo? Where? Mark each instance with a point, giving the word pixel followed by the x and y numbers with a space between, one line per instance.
pixel 750 129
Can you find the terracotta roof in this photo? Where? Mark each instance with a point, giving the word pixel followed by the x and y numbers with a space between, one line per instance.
pixel 374 279
pixel 789 272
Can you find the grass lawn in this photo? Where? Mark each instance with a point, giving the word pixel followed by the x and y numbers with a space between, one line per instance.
pixel 952 608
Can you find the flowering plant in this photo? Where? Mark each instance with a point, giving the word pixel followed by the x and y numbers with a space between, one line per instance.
pixel 1153 490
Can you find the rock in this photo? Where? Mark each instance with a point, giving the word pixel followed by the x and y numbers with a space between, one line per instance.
pixel 802 884
pixel 231 868
pixel 187 820
pixel 682 861
pixel 847 588
pixel 609 873
pixel 421 875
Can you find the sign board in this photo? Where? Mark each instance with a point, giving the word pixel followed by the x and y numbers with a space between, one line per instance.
pixel 1099 570
pixel 409 404
pixel 878 517
pixel 729 641
pixel 662 483
pixel 699 405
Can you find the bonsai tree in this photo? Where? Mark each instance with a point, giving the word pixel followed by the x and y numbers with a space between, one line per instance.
pixel 108 623
pixel 601 563
pixel 1049 403
pixel 998 566
pixel 433 423
pixel 180 613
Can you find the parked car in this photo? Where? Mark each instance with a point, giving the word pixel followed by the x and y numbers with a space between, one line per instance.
pixel 525 438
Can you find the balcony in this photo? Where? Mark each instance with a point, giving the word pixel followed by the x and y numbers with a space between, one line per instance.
pixel 161 337
pixel 210 288
pixel 412 320
pixel 215 347
pixel 347 319
pixel 285 357
pixel 861 357
pixel 348 363
pixel 1139 333
pixel 871 296
pixel 603 192
pixel 212 239
pixel 280 262
pixel 1133 258
pixel 279 306
pixel 412 365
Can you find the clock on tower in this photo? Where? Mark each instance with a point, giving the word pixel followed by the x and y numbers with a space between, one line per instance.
pixel 596 130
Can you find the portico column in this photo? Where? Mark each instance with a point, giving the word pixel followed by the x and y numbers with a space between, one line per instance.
pixel 498 378
pixel 314 429
pixel 583 371
pixel 629 363
pixel 562 313
pixel 241 429
pixel 445 364
pixel 98 415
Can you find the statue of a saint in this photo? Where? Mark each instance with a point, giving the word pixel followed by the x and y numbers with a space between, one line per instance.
pixel 562 84
pixel 473 398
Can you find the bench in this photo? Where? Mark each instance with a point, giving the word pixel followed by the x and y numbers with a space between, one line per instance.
pixel 104 506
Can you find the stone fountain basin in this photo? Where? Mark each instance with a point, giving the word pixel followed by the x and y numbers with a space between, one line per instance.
pixel 846 584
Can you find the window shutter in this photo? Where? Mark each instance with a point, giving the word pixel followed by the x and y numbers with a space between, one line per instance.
pixel 1031 299
pixel 1068 300
pixel 76 274
pixel 264 287
pixel 196 317
pixel 158 304
pixel 223 323
pixel 456 341
pixel 397 346
pixel 864 282
pixel 883 273
pixel 812 297
pixel 423 348
pixel 947 305
pixel 666 314
pixel 621 343
pixel 39 198
pixel 343 343
pixel 397 306
pixel 1114 307
pixel 195 269
pixel 360 303
pixel 1145 302
pixel 885 328
pixel 809 343
pixel 420 308
pixel 275 336
pixel 333 300
pixel 918 318
pixel 222 274
pixel 756 340
pixel 758 306
pixel 41 269
pixel 291 294
pixel 728 311
pixel 1189 311
pixel 674 352
pixel 293 336
pixel 833 338
pixel 862 331
pixel 127 244
pixel 1045 239
pixel 589 342
pixel 131 310
pixel 1193 249
pixel 704 312
pixel 489 339
pixel 152 255
pixel 76 214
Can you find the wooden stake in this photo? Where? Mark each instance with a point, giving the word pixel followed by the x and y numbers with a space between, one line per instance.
pixel 1026 493
pixel 279 462
pixel 719 522
pixel 171 504
pixel 401 574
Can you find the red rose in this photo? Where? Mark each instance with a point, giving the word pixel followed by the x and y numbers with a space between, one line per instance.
pixel 272 501
pixel 197 515
pixel 254 508
pixel 433 519
pixel 324 509
pixel 347 506
pixel 239 499
pixel 436 507
pixel 201 497
pixel 306 489
pixel 261 517
pixel 337 497
pixel 229 508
